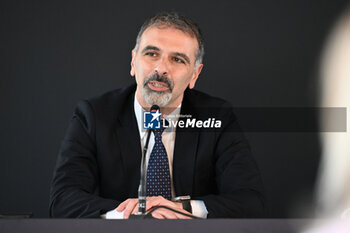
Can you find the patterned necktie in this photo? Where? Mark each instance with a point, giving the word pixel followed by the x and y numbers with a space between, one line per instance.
pixel 158 175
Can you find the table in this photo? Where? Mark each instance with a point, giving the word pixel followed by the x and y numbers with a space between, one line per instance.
pixel 154 226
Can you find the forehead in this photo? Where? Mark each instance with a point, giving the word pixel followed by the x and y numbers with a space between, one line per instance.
pixel 169 39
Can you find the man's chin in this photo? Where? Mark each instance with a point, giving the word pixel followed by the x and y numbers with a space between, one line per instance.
pixel 157 98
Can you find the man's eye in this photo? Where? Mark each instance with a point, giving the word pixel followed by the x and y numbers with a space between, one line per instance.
pixel 176 59
pixel 152 54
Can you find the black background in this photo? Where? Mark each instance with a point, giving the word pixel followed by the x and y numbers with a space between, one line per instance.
pixel 258 54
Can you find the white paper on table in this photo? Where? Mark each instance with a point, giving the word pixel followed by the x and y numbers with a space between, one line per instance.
pixel 114 214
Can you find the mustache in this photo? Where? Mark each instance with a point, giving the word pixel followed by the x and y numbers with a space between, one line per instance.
pixel 159 78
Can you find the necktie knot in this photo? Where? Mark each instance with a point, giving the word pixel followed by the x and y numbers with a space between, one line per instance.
pixel 158 132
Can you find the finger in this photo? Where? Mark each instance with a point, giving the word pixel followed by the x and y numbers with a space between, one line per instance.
pixel 181 216
pixel 157 215
pixel 122 205
pixel 129 208
pixel 157 201
pixel 136 209
pixel 165 214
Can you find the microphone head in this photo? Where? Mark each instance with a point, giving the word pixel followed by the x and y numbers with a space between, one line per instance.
pixel 154 108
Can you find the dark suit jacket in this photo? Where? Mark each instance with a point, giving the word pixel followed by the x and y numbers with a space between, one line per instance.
pixel 98 165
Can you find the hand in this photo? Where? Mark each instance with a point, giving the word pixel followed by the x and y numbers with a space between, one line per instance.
pixel 163 213
pixel 130 206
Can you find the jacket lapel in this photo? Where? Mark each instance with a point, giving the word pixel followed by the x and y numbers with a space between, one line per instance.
pixel 129 139
pixel 185 152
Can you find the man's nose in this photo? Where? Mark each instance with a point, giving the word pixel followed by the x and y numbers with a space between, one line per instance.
pixel 162 67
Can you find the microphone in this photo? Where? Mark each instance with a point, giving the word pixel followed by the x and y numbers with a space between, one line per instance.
pixel 142 193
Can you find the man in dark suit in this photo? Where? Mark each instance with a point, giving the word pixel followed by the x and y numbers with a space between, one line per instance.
pixel 208 162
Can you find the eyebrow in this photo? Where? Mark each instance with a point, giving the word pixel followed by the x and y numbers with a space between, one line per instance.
pixel 150 47
pixel 184 56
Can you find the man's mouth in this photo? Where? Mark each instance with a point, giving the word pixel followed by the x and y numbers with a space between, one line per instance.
pixel 158 86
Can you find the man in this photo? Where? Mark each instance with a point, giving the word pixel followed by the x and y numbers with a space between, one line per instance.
pixel 98 164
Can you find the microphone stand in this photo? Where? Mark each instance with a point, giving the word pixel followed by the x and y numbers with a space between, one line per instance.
pixel 141 214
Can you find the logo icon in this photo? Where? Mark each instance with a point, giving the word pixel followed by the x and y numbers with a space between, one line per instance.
pixel 151 120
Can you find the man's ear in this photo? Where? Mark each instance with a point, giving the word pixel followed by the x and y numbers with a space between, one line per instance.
pixel 195 76
pixel 132 70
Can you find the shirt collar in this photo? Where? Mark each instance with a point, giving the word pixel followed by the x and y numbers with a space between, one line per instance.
pixel 173 116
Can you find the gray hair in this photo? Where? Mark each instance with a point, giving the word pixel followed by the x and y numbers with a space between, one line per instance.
pixel 180 22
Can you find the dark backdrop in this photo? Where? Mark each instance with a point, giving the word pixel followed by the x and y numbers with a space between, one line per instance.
pixel 54 53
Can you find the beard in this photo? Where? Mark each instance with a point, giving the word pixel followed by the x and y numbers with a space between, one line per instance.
pixel 160 98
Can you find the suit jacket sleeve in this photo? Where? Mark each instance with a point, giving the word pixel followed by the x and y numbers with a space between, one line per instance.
pixel 239 189
pixel 74 187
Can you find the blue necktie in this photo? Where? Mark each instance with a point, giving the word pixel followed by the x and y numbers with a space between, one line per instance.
pixel 158 175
